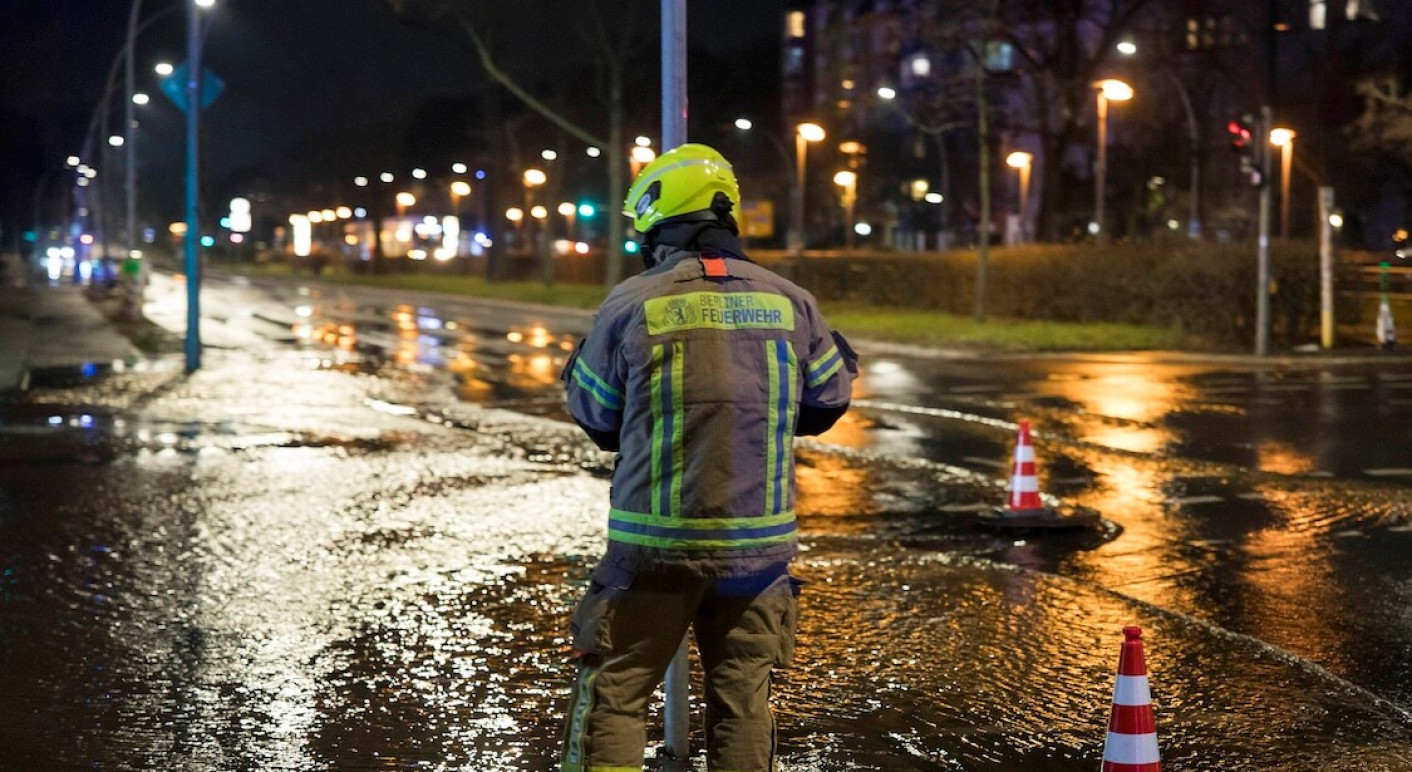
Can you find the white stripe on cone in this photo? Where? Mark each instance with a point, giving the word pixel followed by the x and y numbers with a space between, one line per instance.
pixel 1132 690
pixel 1131 748
pixel 1024 453
pixel 1024 484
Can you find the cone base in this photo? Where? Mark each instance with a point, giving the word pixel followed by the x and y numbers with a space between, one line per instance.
pixel 1042 518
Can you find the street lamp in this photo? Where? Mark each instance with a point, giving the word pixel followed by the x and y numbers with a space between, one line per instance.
pixel 639 157
pixel 459 190
pixel 804 133
pixel 1108 91
pixel 1022 161
pixel 1284 140
pixel 568 210
pixel 848 180
pixel 404 201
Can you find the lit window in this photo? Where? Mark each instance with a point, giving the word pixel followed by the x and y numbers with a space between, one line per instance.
pixel 1318 10
pixel 795 21
pixel 1192 30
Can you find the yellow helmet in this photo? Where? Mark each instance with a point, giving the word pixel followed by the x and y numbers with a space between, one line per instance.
pixel 680 181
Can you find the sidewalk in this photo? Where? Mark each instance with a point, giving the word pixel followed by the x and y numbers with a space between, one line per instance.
pixel 45 326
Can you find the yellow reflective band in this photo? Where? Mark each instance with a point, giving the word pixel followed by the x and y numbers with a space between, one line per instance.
pixel 719 311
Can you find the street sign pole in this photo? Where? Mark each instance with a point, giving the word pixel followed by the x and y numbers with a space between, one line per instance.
pixel 1262 297
pixel 193 224
pixel 677 715
pixel 1326 267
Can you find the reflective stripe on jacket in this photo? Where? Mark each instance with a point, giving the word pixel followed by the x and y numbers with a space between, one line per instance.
pixel 701 378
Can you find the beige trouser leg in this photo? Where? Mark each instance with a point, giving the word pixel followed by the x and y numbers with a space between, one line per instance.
pixel 744 628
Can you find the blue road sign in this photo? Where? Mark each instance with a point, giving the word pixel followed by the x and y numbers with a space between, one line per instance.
pixel 174 86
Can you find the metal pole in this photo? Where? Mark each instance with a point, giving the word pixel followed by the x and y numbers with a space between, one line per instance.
pixel 1286 155
pixel 1326 268
pixel 1025 202
pixel 1194 133
pixel 677 708
pixel 1262 280
pixel 1101 181
pixel 193 176
pixel 799 153
pixel 130 124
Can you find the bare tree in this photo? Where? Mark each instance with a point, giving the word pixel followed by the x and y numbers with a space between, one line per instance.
pixel 1063 46
pixel 611 47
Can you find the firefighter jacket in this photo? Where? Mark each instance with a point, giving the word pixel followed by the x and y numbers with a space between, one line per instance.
pixel 698 368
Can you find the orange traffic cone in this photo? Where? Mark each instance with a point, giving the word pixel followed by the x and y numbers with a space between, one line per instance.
pixel 1132 729
pixel 1024 483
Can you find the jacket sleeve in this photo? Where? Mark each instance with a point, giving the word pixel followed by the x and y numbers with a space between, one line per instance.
pixel 829 367
pixel 594 378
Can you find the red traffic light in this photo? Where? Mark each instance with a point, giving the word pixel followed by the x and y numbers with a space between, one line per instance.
pixel 1240 134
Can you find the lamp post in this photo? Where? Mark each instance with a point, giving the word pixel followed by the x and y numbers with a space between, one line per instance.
pixel 1284 140
pixel 795 226
pixel 193 183
pixel 848 180
pixel 640 156
pixel 1024 162
pixel 534 178
pixel 1108 91
pixel 804 133
pixel 567 210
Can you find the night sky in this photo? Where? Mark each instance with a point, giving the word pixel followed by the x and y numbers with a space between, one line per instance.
pixel 321 73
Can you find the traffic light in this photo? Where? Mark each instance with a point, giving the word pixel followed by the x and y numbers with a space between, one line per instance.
pixel 1241 132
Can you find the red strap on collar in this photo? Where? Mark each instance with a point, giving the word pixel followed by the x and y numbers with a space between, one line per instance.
pixel 714 267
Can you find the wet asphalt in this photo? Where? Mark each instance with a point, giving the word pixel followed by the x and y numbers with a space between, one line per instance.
pixel 352 539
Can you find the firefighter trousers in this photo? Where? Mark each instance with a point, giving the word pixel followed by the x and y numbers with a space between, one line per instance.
pixel 627 629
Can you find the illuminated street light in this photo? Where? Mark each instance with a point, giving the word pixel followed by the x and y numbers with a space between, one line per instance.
pixel 642 141
pixel 804 133
pixel 1127 48
pixel 329 215
pixel 567 208
pixel 343 213
pixel 744 124
pixel 386 177
pixel 514 214
pixel 640 157
pixel 361 182
pixel 205 3
pixel 886 92
pixel 538 212
pixel 1022 161
pixel 140 98
pixel 1108 91
pixel 460 188
pixel 593 152
pixel 534 177
pixel 548 155
pixel 164 69
pixel 1284 140
pixel 848 180
pixel 72 160
pixel 933 198
pixel 419 174
pixel 116 140
pixel 458 168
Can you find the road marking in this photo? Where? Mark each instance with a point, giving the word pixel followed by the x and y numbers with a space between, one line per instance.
pixel 973 389
pixel 1190 500
pixel 978 507
pixel 1391 472
pixel 986 462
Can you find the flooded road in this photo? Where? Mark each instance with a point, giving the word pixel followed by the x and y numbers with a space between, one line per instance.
pixel 351 542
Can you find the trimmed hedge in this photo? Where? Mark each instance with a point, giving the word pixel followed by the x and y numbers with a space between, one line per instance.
pixel 1204 289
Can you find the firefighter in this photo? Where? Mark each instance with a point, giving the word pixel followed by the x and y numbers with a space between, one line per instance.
pixel 698 373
